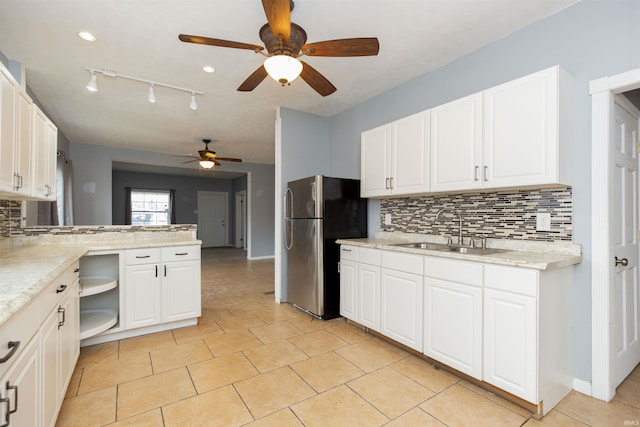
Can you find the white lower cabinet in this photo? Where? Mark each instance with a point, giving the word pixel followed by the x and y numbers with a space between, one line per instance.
pixel 527 333
pixel 349 282
pixel 507 326
pixel 22 379
pixel 401 296
pixel 453 314
pixel 161 285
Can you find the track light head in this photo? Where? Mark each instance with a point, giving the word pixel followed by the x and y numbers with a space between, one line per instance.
pixel 92 86
pixel 152 94
pixel 194 104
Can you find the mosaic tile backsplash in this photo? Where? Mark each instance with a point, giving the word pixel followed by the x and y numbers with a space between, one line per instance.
pixel 499 215
pixel 9 217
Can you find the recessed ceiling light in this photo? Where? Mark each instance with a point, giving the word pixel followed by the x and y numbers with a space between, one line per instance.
pixel 85 35
pixel 209 69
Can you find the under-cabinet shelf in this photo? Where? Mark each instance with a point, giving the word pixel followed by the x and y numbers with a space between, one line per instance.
pixel 93 322
pixel 96 285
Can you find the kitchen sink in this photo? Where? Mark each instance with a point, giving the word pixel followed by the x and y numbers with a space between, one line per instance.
pixel 447 248
pixel 474 251
pixel 429 246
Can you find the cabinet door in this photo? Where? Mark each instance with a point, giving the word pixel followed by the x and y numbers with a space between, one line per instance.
pixel 181 290
pixel 453 325
pixel 375 162
pixel 456 144
pixel 24 145
pixel 369 296
pixel 21 385
pixel 142 295
pixel 50 351
pixel 7 130
pixel 410 154
pixel 521 131
pixel 69 335
pixel 41 150
pixel 51 160
pixel 510 343
pixel 349 289
pixel 401 307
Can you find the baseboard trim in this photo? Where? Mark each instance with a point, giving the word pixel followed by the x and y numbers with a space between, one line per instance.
pixel 582 386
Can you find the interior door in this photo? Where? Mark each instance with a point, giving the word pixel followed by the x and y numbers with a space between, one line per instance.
pixel 626 298
pixel 212 218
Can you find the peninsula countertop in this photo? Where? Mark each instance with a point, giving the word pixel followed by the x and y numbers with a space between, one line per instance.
pixel 515 253
pixel 28 267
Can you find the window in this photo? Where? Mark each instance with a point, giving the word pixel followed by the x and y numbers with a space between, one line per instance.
pixel 149 207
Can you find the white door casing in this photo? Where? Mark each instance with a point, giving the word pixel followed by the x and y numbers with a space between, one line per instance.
pixel 213 208
pixel 603 93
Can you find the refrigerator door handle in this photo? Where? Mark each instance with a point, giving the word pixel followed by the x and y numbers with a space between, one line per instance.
pixel 288 233
pixel 288 196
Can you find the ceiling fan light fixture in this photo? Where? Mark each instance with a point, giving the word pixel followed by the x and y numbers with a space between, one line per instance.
pixel 194 104
pixel 86 35
pixel 283 68
pixel 207 164
pixel 152 94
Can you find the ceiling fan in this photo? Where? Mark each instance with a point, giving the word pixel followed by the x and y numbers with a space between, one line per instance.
pixel 208 159
pixel 285 42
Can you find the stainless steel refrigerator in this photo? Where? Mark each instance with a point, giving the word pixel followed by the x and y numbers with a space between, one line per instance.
pixel 319 210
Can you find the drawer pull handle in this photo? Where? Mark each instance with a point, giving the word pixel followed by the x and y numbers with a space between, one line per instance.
pixel 143 256
pixel 64 317
pixel 183 253
pixel 346 250
pixel 15 389
pixel 61 288
pixel 76 270
pixel 13 346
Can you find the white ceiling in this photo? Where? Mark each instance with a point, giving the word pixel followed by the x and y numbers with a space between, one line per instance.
pixel 140 38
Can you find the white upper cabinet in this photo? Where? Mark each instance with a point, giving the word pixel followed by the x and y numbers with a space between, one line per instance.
pixel 395 158
pixel 28 145
pixel 45 136
pixel 527 131
pixel 517 134
pixel 456 144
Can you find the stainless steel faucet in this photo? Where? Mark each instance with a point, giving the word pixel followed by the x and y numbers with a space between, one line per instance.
pixel 455 212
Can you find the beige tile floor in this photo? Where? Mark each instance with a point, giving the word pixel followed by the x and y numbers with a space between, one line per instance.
pixel 253 362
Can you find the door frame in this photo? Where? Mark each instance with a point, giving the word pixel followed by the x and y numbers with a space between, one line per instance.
pixel 226 212
pixel 241 219
pixel 603 93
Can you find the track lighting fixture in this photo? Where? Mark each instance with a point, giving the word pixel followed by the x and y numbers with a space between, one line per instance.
pixel 151 97
pixel 93 83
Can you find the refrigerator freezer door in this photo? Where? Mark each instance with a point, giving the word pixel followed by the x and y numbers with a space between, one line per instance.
pixel 303 198
pixel 305 276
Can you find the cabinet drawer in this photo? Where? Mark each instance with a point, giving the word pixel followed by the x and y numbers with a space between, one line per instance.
pixel 180 253
pixel 53 293
pixel 142 256
pixel 402 262
pixel 20 328
pixel 369 256
pixel 453 270
pixel 349 252
pixel 513 280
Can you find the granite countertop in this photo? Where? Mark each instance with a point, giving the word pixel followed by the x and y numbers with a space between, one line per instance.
pixel 516 253
pixel 29 265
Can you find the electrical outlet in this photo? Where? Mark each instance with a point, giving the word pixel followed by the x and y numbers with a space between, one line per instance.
pixel 543 221
pixel 387 219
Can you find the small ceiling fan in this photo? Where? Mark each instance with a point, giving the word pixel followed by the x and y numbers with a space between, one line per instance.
pixel 285 42
pixel 208 159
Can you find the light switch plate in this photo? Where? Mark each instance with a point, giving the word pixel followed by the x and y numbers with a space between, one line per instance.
pixel 387 219
pixel 543 221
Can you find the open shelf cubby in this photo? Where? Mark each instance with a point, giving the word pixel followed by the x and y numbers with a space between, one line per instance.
pixel 99 293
